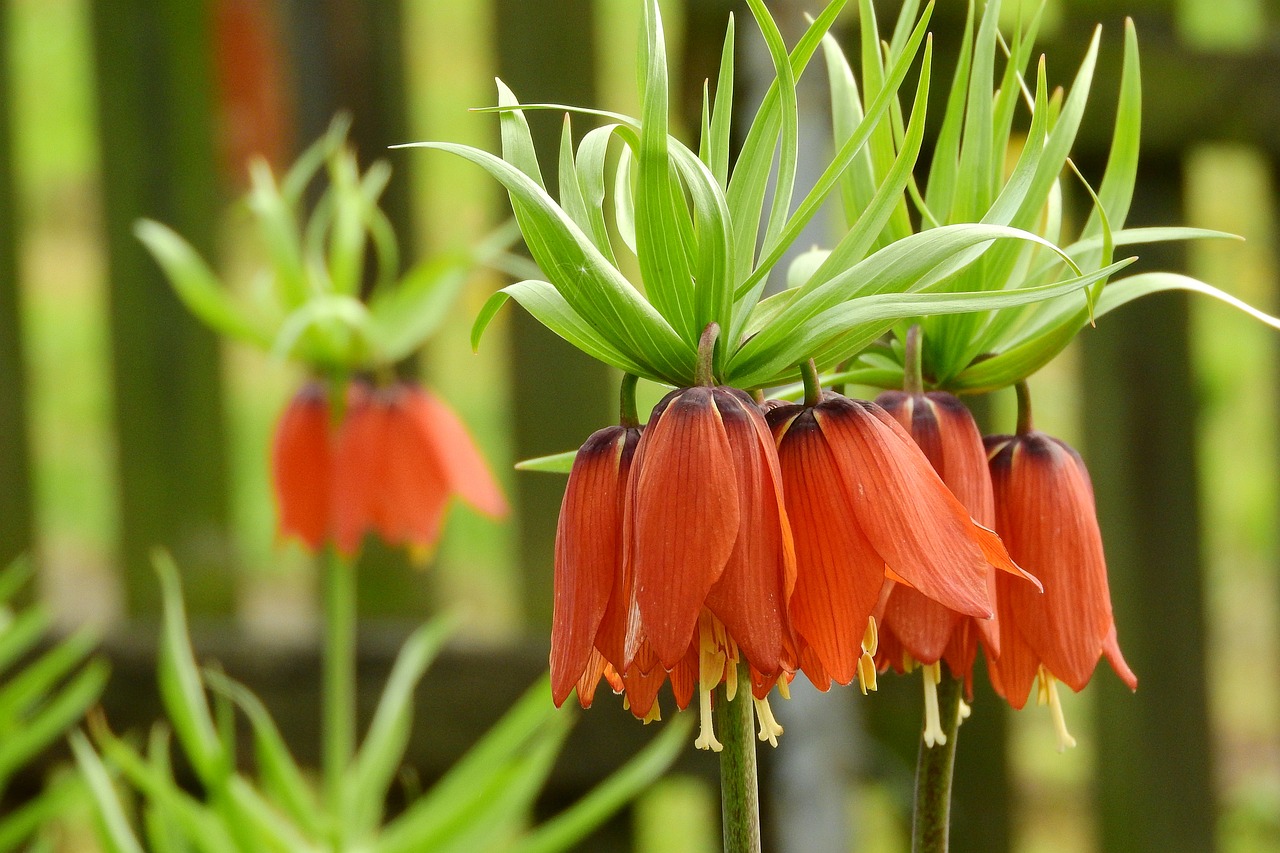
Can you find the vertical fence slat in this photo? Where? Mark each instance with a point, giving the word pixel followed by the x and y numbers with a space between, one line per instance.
pixel 1155 784
pixel 560 396
pixel 347 57
pixel 16 514
pixel 546 53
pixel 154 116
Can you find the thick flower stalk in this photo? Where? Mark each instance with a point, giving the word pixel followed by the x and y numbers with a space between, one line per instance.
pixel 1045 513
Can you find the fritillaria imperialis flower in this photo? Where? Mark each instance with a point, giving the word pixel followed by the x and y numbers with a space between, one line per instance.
pixel 866 506
pixel 1045 514
pixel 915 630
pixel 674 558
pixel 389 466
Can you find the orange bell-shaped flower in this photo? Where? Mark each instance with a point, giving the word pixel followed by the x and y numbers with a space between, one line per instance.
pixel 706 527
pixel 866 505
pixel 1045 513
pixel 911 623
pixel 588 562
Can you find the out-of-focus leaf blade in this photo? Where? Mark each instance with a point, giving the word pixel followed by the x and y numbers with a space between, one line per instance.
pixel 572 825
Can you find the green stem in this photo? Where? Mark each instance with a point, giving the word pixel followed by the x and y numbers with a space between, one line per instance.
pixel 912 364
pixel 739 797
pixel 704 372
pixel 931 822
pixel 627 415
pixel 812 384
pixel 339 699
pixel 1024 407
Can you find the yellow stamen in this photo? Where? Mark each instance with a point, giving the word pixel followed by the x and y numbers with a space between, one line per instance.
pixel 933 734
pixel 769 727
pixel 963 712
pixel 706 732
pixel 717 661
pixel 866 674
pixel 784 687
pixel 871 637
pixel 1049 690
pixel 654 715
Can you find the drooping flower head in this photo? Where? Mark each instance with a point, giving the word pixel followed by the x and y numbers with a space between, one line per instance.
pixel 390 466
pixel 914 629
pixel 866 507
pixel 588 565
pixel 911 623
pixel 674 559
pixel 1046 515
pixel 707 539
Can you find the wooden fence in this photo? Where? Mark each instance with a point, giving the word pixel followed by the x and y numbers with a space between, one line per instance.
pixel 1157 783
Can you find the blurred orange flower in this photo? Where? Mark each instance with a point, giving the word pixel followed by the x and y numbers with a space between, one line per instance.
pixel 389 467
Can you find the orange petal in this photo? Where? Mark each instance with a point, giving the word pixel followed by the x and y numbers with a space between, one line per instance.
pixel 923 626
pixel 750 597
pixel 838 573
pixel 682 517
pixel 412 490
pixel 588 552
pixel 464 467
pixel 1111 649
pixel 907 514
pixel 301 459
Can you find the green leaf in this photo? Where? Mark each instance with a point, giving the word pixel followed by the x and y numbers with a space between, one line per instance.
pixel 197 286
pixel 862 320
pixel 54 717
pixel 22 634
pixel 595 290
pixel 58 797
pixel 400 319
pixel 181 688
pixel 197 822
pixel 751 286
pixel 722 113
pixel 572 825
pixel 33 682
pixel 278 228
pixel 1126 290
pixel 944 167
pixel 556 463
pixel 382 752
pixel 481 779
pixel 282 779
pixel 905 265
pixel 747 185
pixel 663 229
pixel 1116 190
pixel 550 309
pixel 109 814
pixel 346 245
pixel 789 121
pixel 13 578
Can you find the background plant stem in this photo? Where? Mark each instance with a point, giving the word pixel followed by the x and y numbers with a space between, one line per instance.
pixel 739 788
pixel 338 738
pixel 931 822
